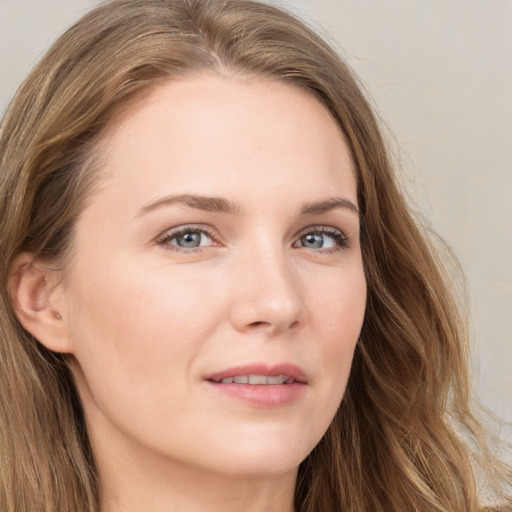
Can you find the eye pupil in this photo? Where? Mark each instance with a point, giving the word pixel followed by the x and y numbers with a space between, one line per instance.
pixel 313 241
pixel 190 239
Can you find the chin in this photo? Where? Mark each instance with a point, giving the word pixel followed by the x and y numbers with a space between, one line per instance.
pixel 266 455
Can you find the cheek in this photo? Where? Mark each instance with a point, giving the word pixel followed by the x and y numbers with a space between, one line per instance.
pixel 337 300
pixel 136 338
pixel 138 325
pixel 137 300
pixel 337 314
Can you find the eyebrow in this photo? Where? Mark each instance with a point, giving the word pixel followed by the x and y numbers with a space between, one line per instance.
pixel 221 205
pixel 206 203
pixel 332 203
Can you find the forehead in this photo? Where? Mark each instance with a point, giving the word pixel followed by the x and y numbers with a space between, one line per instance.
pixel 215 131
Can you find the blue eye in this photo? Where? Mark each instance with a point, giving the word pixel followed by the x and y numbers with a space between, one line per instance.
pixel 322 238
pixel 186 238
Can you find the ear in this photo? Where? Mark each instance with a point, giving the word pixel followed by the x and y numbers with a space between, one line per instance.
pixel 38 300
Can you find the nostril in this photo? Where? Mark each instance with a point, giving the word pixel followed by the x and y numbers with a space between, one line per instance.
pixel 259 324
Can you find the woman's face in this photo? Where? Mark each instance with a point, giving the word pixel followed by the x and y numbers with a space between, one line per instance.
pixel 216 292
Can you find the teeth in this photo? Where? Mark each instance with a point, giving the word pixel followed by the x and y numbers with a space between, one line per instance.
pixel 279 379
pixel 258 379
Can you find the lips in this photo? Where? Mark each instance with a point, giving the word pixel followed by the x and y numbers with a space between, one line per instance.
pixel 260 385
pixel 260 374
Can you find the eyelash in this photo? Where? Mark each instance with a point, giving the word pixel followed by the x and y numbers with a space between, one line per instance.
pixel 168 236
pixel 340 239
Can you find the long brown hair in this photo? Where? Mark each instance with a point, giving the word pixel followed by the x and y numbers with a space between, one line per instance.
pixel 404 437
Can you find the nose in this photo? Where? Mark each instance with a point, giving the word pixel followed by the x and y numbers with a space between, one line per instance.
pixel 268 297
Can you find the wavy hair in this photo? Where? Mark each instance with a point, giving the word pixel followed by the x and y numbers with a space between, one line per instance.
pixel 404 437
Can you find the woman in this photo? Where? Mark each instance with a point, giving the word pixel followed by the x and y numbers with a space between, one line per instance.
pixel 214 294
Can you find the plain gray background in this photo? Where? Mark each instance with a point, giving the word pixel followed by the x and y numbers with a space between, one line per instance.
pixel 440 72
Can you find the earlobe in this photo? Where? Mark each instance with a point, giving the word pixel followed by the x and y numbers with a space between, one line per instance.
pixel 37 302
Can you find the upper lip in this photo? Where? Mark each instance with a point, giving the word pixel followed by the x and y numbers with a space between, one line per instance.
pixel 287 369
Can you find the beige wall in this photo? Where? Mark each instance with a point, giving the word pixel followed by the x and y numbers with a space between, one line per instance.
pixel 441 74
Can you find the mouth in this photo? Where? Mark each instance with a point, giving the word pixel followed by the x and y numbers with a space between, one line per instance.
pixel 257 380
pixel 260 385
pixel 260 375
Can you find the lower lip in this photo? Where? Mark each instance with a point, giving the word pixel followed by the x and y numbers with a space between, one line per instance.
pixel 265 396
